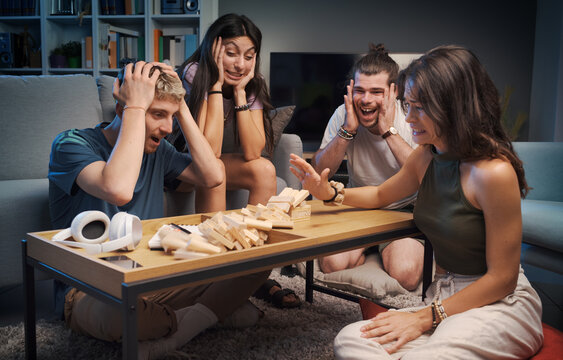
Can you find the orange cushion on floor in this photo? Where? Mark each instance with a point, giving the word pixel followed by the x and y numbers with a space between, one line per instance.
pixel 370 309
pixel 552 348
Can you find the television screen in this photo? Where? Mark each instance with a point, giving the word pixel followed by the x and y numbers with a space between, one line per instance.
pixel 316 84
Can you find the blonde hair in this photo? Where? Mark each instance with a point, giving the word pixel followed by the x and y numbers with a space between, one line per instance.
pixel 167 87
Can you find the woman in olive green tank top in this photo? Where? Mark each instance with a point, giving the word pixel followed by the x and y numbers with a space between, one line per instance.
pixel 469 183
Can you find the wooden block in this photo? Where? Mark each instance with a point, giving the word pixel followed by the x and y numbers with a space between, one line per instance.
pixel 281 199
pixel 198 243
pixel 301 213
pixel 287 192
pixel 263 235
pixel 221 239
pixel 259 224
pixel 173 242
pixel 281 206
pixel 301 196
pixel 253 237
pixel 236 232
pixel 238 246
pixel 186 254
pixel 236 221
pixel 247 212
pixel 218 217
pixel 205 227
pixel 282 224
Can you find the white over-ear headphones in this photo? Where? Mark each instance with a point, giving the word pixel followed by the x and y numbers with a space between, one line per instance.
pixel 91 228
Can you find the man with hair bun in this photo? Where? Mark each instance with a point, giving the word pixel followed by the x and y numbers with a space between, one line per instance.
pixel 370 130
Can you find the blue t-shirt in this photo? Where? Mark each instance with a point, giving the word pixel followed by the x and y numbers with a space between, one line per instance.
pixel 73 150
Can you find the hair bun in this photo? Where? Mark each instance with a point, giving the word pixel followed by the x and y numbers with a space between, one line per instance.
pixel 378 49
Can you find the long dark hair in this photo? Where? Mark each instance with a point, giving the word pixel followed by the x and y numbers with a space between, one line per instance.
pixel 227 26
pixel 377 60
pixel 456 92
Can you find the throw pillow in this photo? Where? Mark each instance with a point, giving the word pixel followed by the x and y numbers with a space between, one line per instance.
pixel 105 93
pixel 280 118
pixel 369 279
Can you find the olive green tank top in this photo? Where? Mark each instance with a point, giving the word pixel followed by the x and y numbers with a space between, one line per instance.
pixel 455 228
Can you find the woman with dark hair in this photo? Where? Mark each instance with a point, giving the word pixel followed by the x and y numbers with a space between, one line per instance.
pixel 231 105
pixel 469 183
pixel 230 102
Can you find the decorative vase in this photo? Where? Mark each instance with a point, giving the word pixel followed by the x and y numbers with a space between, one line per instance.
pixel 74 62
pixel 58 61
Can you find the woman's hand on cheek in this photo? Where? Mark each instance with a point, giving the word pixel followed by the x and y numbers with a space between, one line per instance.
pixel 245 80
pixel 218 54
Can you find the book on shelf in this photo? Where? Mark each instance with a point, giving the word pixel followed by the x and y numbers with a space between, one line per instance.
pixel 123 30
pixel 88 53
pixel 103 45
pixel 190 44
pixel 140 7
pixel 112 7
pixel 113 50
pixel 141 48
pixel 157 34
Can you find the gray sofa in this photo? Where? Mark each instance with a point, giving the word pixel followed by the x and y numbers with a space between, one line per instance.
pixel 542 209
pixel 34 109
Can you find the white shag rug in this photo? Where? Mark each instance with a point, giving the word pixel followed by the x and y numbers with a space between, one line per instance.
pixel 304 333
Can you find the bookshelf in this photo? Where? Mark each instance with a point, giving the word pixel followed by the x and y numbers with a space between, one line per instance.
pixel 44 32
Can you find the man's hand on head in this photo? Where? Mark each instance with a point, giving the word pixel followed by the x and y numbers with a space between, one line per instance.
pixel 351 123
pixel 386 117
pixel 138 86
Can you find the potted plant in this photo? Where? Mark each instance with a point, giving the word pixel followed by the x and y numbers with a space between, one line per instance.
pixel 72 50
pixel 57 59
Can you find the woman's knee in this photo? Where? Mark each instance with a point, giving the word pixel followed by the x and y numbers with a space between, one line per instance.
pixel 263 172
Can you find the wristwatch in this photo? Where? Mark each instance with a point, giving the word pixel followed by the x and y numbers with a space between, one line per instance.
pixel 391 131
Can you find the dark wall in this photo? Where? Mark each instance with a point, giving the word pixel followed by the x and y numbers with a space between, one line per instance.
pixel 500 32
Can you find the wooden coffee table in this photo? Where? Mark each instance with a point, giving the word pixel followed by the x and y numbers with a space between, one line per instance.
pixel 331 229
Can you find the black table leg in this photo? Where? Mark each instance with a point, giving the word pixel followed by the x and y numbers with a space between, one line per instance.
pixel 129 313
pixel 310 267
pixel 29 302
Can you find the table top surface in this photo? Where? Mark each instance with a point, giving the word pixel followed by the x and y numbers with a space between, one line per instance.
pixel 328 224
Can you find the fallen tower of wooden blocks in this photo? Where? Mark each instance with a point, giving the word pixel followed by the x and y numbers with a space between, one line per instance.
pixel 250 227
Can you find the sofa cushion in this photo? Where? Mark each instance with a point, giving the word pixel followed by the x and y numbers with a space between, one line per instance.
pixel 105 93
pixel 543 164
pixel 24 207
pixel 37 108
pixel 542 224
pixel 280 118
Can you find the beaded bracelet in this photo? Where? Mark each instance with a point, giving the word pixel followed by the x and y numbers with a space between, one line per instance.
pixel 338 197
pixel 434 323
pixel 345 134
pixel 242 107
pixel 441 310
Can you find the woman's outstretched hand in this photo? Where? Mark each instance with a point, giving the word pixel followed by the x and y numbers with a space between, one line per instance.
pixel 317 184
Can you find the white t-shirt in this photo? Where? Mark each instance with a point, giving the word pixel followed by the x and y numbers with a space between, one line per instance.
pixel 370 159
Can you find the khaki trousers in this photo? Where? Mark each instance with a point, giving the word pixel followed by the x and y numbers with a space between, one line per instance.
pixel 155 312
pixel 507 329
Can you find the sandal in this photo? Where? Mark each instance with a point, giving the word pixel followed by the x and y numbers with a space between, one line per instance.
pixel 277 298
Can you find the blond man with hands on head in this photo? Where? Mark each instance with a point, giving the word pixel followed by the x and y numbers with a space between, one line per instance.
pixel 125 166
